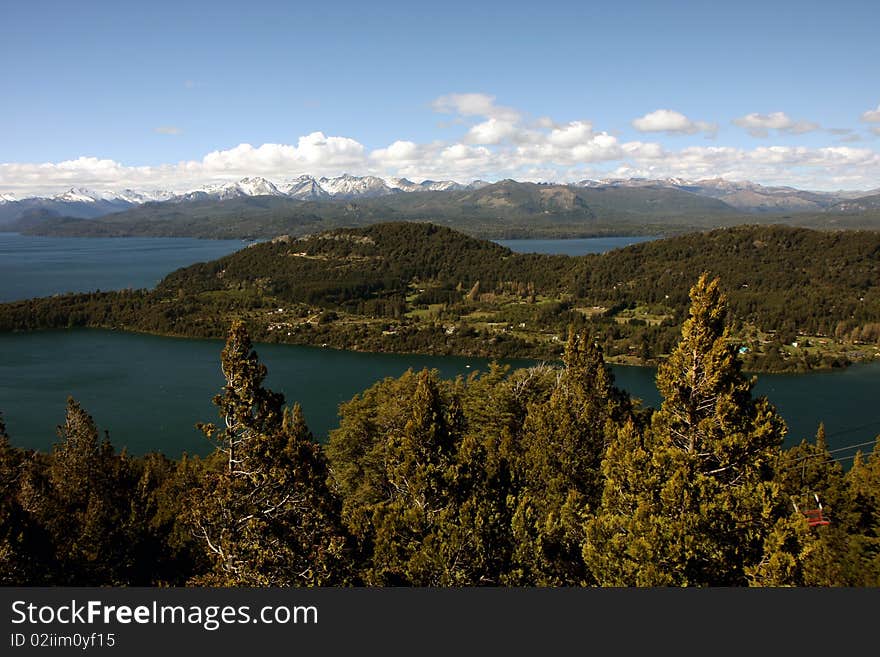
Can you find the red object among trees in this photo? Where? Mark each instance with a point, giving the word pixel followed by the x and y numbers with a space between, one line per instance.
pixel 815 517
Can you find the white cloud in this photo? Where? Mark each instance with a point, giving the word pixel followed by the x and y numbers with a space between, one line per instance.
pixel 503 143
pixel 167 130
pixel 312 150
pixel 572 134
pixel 672 122
pixel 398 153
pixel 474 105
pixel 872 116
pixel 759 125
pixel 491 131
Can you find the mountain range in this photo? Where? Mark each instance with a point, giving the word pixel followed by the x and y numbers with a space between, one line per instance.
pixel 350 200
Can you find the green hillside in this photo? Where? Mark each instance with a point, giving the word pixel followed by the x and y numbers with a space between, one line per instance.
pixel 799 299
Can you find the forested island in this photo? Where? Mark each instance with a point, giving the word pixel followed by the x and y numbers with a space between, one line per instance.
pixel 800 299
pixel 547 476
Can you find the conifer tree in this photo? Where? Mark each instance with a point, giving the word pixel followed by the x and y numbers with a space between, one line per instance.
pixel 82 503
pixel 806 472
pixel 564 440
pixel 17 567
pixel 488 471
pixel 408 497
pixel 265 517
pixel 412 539
pixel 691 500
pixel 863 481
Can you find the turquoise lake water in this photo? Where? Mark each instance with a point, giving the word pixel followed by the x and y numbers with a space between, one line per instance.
pixel 149 391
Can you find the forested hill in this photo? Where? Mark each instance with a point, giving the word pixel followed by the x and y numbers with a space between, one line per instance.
pixel 360 263
pixel 799 299
pixel 790 278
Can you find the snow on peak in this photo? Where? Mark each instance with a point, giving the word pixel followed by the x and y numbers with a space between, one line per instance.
pixel 137 197
pixel 403 185
pixel 221 192
pixel 257 187
pixel 347 186
pixel 440 185
pixel 77 195
pixel 306 188
pixel 7 198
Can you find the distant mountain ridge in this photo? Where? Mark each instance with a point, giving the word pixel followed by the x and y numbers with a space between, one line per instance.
pixel 630 195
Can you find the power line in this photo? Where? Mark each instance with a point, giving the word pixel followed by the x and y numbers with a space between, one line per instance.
pixel 833 451
pixel 850 430
pixel 839 459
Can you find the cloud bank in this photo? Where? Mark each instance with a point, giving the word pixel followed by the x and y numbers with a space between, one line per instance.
pixel 495 142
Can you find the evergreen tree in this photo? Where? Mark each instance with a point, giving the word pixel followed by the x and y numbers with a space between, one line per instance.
pixel 264 516
pixel 863 480
pixel 489 472
pixel 467 436
pixel 806 472
pixel 412 528
pixel 691 500
pixel 564 441
pixel 81 501
pixel 18 563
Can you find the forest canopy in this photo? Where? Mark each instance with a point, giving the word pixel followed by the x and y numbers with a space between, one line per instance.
pixel 548 476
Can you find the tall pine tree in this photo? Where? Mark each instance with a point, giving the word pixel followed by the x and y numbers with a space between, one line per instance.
pixel 690 499
pixel 265 516
pixel 564 441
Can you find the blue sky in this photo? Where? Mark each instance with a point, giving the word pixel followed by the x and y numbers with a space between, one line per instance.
pixel 105 94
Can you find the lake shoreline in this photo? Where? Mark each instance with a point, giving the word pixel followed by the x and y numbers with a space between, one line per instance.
pixel 149 391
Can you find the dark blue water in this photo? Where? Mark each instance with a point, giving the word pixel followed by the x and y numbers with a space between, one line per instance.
pixel 42 266
pixel 150 391
pixel 573 247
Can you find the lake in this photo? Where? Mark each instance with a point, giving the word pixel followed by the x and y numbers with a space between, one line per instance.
pixel 42 266
pixel 32 266
pixel 149 391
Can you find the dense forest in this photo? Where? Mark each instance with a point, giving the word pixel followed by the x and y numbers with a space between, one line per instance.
pixel 548 476
pixel 800 299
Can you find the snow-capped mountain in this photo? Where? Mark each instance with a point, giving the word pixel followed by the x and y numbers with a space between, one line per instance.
pixel 137 197
pixel 253 187
pixel 746 196
pixel 85 203
pixel 441 186
pixel 347 186
pixel 306 188
pixel 406 185
pixel 226 191
pixel 79 195
pixel 130 196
